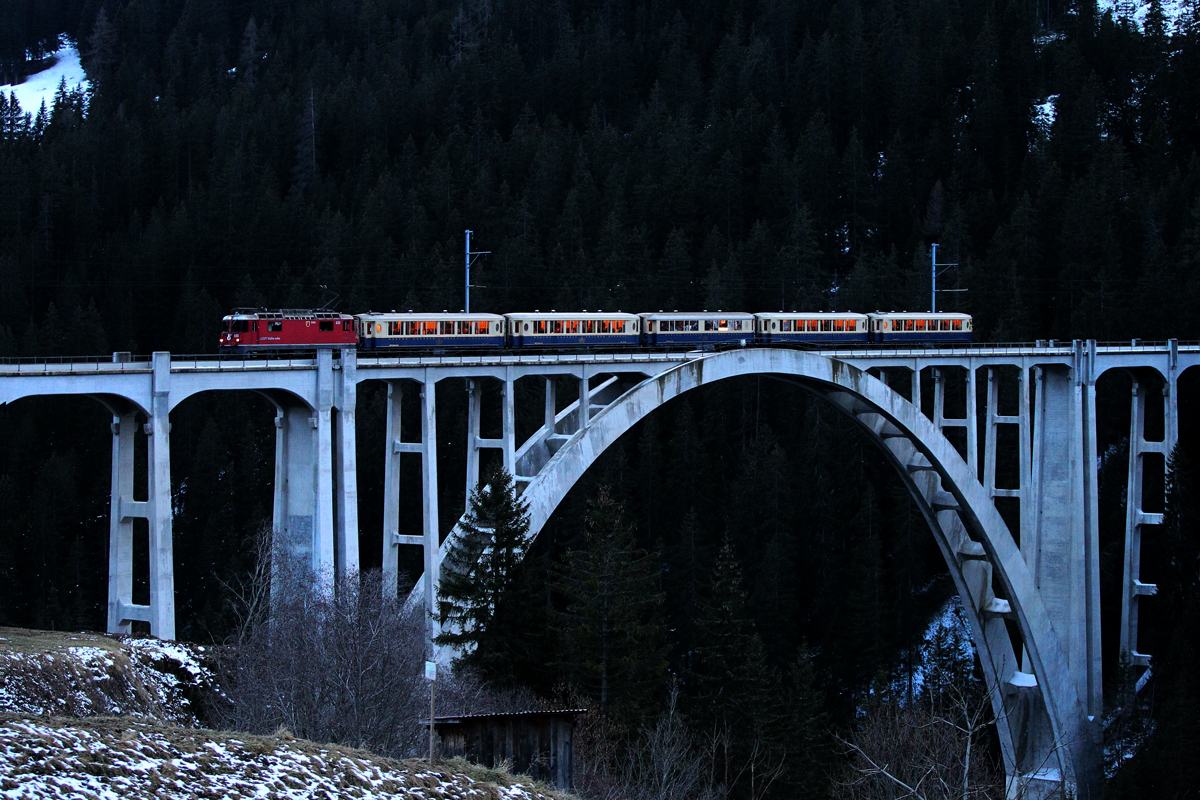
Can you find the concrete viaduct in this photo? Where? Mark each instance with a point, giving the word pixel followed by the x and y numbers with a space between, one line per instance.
pixel 1032 599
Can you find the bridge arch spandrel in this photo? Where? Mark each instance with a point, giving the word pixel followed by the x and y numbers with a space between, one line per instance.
pixel 862 395
pixel 112 390
pixel 293 387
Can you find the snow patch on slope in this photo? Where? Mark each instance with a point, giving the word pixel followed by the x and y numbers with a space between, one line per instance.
pixel 1043 114
pixel 145 678
pixel 40 87
pixel 1135 10
pixel 129 759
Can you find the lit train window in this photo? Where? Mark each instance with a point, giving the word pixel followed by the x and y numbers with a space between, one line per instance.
pixel 589 326
pixel 618 326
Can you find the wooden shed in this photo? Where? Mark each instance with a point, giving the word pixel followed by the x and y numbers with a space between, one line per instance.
pixel 535 743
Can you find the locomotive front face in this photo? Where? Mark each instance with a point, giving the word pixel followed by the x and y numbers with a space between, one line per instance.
pixel 237 332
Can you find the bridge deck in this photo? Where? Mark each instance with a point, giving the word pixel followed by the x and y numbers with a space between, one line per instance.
pixel 229 363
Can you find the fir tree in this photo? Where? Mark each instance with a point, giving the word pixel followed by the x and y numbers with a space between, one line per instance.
pixel 735 693
pixel 806 741
pixel 612 631
pixel 478 573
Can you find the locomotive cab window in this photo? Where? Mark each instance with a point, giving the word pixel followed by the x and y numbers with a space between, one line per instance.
pixel 239 326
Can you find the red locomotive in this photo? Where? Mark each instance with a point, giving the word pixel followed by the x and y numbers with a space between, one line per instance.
pixel 256 330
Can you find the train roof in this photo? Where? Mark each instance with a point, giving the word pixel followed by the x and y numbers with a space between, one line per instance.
pixel 697 315
pixel 920 314
pixel 572 315
pixel 285 313
pixel 442 316
pixel 811 315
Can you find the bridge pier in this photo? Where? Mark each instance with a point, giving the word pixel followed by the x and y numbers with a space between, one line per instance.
pixel 1136 517
pixel 315 514
pixel 1061 543
pixel 427 449
pixel 121 612
pixel 155 509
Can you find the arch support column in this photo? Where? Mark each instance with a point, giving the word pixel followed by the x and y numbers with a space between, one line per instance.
pixel 1136 518
pixel 430 534
pixel 345 472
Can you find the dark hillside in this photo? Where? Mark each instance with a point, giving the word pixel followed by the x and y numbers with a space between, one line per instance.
pixel 640 155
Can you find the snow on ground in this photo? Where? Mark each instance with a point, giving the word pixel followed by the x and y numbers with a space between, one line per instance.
pixel 1043 114
pixel 41 86
pixel 42 672
pixel 1136 10
pixel 124 758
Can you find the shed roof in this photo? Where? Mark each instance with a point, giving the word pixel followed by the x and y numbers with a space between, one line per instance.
pixel 458 718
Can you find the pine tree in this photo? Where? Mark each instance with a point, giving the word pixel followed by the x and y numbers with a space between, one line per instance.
pixel 478 573
pixel 612 631
pixel 734 691
pixel 806 740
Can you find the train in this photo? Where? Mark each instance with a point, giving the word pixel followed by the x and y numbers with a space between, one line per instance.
pixel 269 331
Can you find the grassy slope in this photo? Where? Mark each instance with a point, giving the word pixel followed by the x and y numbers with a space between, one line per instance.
pixel 90 674
pixel 121 757
pixel 98 716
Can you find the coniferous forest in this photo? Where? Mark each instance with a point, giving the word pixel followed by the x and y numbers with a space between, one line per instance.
pixel 632 154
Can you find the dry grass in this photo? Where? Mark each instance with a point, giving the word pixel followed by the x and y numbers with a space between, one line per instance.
pixel 23 640
pixel 46 752
pixel 40 756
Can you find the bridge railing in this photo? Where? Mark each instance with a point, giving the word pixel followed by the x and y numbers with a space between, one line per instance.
pixel 40 365
pixel 128 362
pixel 213 362
pixel 633 357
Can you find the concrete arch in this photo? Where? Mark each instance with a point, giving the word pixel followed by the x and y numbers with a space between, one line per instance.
pixel 1046 736
pixel 129 397
pixel 295 388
